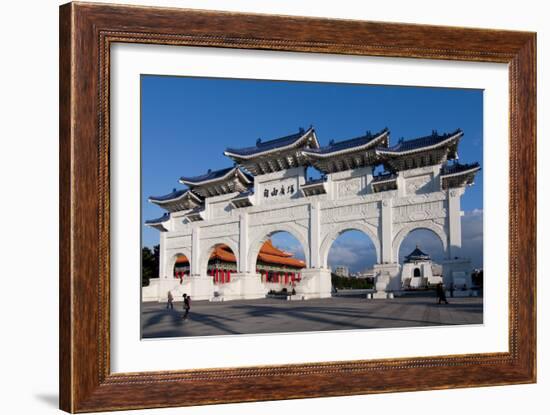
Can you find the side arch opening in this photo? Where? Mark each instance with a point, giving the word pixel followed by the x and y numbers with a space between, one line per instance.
pixel 220 263
pixel 279 261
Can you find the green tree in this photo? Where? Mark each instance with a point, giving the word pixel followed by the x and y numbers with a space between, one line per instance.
pixel 340 283
pixel 149 264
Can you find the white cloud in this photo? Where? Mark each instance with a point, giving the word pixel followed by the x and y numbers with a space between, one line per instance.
pixel 355 252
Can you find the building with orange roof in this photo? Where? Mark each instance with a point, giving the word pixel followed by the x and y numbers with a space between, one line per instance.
pixel 276 267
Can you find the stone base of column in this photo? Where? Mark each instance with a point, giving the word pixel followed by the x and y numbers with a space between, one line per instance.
pixel 152 291
pixel 457 272
pixel 388 279
pixel 380 295
pixel 315 283
pixel 199 288
pixel 158 289
pixel 243 286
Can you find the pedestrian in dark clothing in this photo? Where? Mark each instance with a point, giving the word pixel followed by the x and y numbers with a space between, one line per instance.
pixel 186 305
pixel 440 291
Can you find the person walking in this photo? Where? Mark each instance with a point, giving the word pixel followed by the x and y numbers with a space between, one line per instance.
pixel 440 291
pixel 186 305
pixel 170 303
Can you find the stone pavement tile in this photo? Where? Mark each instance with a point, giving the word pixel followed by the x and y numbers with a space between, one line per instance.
pixel 276 316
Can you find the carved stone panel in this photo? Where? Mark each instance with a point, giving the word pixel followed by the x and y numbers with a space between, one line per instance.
pixel 342 213
pixel 220 210
pixel 419 184
pixel 350 187
pixel 419 212
pixel 279 215
pixel 178 242
pixel 421 198
pixel 226 229
pixel 417 172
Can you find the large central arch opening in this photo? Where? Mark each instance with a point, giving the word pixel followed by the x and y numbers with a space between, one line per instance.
pixel 280 262
pixel 351 259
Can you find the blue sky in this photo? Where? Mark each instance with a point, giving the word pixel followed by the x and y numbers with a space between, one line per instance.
pixel 186 123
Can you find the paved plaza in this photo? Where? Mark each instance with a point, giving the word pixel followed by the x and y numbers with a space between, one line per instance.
pixel 279 316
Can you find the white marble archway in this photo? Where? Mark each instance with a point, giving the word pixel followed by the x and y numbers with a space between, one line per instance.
pixel 263 233
pixel 209 246
pixel 315 214
pixel 438 230
pixel 338 230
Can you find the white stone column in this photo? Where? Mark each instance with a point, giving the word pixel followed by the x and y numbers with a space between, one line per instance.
pixel 195 252
pixel 454 218
pixel 243 243
pixel 314 235
pixel 386 223
pixel 162 255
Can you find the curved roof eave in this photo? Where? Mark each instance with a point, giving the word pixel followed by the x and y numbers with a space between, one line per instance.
pixel 271 150
pixel 461 173
pixel 234 170
pixel 365 146
pixel 388 152
pixel 188 193
pixel 158 221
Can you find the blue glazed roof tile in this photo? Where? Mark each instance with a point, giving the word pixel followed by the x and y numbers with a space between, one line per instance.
pixel 163 218
pixel 262 146
pixel 173 195
pixel 210 175
pixel 417 255
pixel 457 168
pixel 419 143
pixel 346 144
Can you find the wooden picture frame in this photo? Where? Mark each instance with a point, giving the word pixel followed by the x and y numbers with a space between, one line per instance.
pixel 86 33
